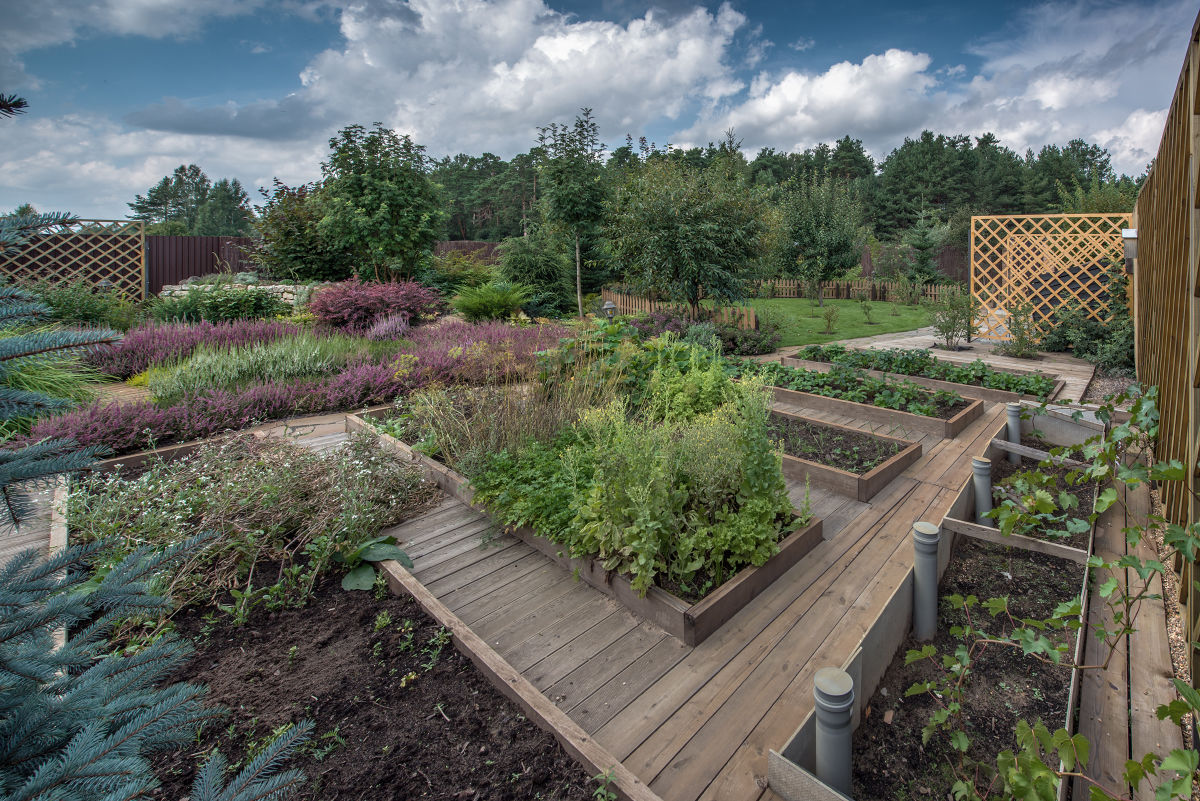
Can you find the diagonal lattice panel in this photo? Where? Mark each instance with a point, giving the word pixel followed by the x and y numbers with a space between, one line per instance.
pixel 87 250
pixel 1046 259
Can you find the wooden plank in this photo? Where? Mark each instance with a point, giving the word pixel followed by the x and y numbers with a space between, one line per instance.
pixel 591 674
pixel 506 630
pixel 619 693
pixel 474 533
pixel 537 707
pixel 508 585
pixel 1150 671
pixel 579 650
pixel 463 562
pixel 1034 453
pixel 534 597
pixel 483 567
pixel 976 531
pixel 521 655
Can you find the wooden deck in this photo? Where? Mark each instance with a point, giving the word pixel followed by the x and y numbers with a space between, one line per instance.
pixel 692 723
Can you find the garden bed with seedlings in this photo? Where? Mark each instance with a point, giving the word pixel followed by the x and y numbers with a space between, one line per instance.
pixel 891 757
pixel 846 460
pixel 851 392
pixel 397 711
pixel 677 611
pixel 974 380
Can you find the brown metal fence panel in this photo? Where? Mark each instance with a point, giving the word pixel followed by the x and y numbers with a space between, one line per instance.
pixel 85 250
pixel 1166 309
pixel 171 259
pixel 1046 260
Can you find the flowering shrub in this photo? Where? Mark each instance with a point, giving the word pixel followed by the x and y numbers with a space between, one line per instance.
pixel 356 306
pixel 152 345
pixel 394 326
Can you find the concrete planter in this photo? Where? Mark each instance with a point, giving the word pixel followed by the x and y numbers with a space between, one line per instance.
pixel 862 486
pixel 966 390
pixel 691 623
pixel 946 429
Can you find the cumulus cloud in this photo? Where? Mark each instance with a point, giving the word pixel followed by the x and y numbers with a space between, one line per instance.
pixel 1060 70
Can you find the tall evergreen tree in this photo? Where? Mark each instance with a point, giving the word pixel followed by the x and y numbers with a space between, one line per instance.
pixel 176 198
pixel 226 212
pixel 849 161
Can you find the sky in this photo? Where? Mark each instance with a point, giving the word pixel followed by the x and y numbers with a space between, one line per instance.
pixel 123 91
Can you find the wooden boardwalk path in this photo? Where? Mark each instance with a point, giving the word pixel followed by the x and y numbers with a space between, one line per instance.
pixel 692 723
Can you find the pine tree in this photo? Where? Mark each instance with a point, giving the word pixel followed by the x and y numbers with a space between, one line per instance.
pixel 33 465
pixel 78 723
pixel 226 211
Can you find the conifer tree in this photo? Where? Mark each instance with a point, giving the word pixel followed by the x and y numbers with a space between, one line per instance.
pixel 78 723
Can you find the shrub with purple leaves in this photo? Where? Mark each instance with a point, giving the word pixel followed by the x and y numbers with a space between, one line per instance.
pixel 394 326
pixel 356 306
pixel 153 345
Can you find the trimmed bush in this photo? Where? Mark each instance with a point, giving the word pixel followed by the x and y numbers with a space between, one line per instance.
pixel 356 306
pixel 79 302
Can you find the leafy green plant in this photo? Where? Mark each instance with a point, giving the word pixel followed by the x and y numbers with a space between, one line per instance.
pixel 496 300
pixel 1022 333
pixel 362 558
pixel 952 315
pixel 217 304
pixel 80 302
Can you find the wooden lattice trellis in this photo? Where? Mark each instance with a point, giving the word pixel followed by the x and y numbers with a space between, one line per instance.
pixel 1048 260
pixel 86 250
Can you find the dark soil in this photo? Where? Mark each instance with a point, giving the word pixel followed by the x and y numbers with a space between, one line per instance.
pixel 396 717
pixel 1086 493
pixel 890 761
pixel 852 451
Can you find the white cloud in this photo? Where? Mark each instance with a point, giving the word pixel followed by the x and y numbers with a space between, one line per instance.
pixel 802 44
pixel 1134 141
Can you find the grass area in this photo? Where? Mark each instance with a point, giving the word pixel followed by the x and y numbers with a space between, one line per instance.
pixel 802 323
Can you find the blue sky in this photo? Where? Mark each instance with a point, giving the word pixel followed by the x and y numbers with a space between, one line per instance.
pixel 122 91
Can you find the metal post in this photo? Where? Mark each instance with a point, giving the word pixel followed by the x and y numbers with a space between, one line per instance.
pixel 1014 430
pixel 982 470
pixel 833 689
pixel 926 538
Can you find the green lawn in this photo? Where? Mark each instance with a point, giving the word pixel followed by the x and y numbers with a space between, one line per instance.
pixel 803 324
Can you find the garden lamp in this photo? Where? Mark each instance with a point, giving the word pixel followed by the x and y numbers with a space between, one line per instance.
pixel 609 308
pixel 104 285
pixel 1129 238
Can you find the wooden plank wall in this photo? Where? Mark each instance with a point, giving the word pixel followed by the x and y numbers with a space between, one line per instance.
pixel 1166 306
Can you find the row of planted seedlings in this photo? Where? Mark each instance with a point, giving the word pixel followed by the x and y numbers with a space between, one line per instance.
pixel 973 380
pixel 852 392
pixel 981 699
pixel 639 465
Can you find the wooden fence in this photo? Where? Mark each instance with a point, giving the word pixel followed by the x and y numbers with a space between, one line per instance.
pixel 85 250
pixel 171 259
pixel 1046 260
pixel 848 290
pixel 1166 286
pixel 742 316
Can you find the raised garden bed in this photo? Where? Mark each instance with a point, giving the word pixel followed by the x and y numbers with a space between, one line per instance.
pixel 966 390
pixel 407 718
pixel 890 760
pixel 946 428
pixel 690 622
pixel 846 460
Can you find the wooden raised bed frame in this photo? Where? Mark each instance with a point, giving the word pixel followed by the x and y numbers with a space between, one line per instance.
pixel 946 429
pixel 691 623
pixel 861 487
pixel 966 390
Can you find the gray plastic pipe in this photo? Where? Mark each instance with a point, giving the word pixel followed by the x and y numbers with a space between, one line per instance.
pixel 1014 430
pixel 981 470
pixel 833 690
pixel 926 538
